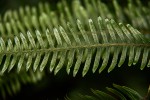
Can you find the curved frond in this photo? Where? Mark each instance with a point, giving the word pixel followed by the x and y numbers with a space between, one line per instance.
pixel 63 47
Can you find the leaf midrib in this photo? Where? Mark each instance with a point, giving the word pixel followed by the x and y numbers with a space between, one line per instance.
pixel 74 47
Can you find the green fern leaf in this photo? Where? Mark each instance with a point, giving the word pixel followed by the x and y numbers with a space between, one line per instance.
pixel 58 45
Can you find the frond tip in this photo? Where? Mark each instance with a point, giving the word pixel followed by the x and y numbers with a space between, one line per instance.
pixel 76 45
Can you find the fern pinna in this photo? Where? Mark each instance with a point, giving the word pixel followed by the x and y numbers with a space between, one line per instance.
pixel 103 39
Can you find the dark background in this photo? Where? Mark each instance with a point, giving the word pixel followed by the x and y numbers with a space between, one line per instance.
pixel 62 85
pixel 14 4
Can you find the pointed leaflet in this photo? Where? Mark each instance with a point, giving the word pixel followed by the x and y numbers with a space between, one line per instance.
pixel 44 62
pixel 133 92
pixel 93 30
pixel 53 61
pixel 20 62
pixel 29 62
pixel 24 41
pixel 78 62
pixel 137 55
pixel 49 38
pixel 82 30
pixel 8 28
pixel 42 44
pixel 7 61
pixel 35 22
pixel 101 29
pixel 118 30
pixel 131 55
pixel 123 56
pixel 144 58
pixel 31 39
pixel 20 26
pixel 65 36
pixel 71 55
pixel 39 37
pixel 27 23
pixel 13 61
pixel 102 95
pixel 114 59
pixel 14 26
pixel 37 61
pixel 117 93
pixel 61 62
pixel 105 60
pixel 127 93
pixel 111 30
pixel 87 63
pixel 97 59
pixel 2 49
pixel 57 36
pixel 42 20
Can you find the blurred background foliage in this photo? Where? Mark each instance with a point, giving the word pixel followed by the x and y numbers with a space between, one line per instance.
pixel 15 4
pixel 57 87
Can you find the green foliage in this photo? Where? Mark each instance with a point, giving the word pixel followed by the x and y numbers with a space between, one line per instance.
pixel 44 16
pixel 33 38
pixel 116 93
pixel 60 44
pixel 11 84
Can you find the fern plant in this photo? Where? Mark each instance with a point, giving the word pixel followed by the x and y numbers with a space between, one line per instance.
pixel 40 38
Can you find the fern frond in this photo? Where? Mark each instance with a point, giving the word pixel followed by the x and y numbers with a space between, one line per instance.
pixel 116 93
pixel 92 44
pixel 63 47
